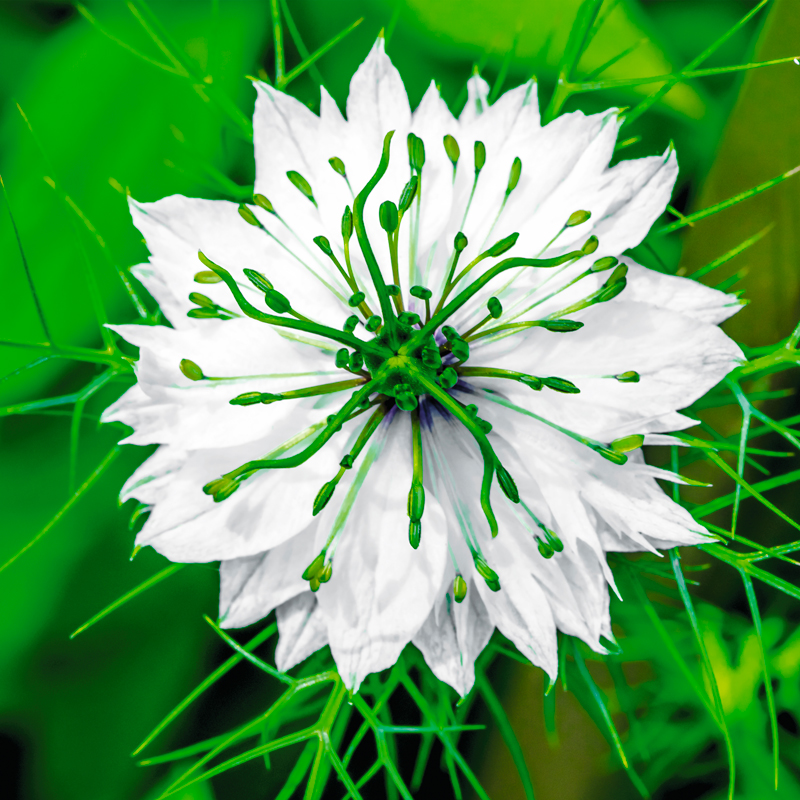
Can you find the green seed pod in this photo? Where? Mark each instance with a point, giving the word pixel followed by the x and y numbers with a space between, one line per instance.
pixel 561 385
pixel 577 218
pixel 459 589
pixel 480 156
pixel 262 202
pixel 610 292
pixel 628 377
pixel 388 216
pixel 357 299
pixel 321 500
pixel 590 245
pixel 532 382
pixel 495 307
pixel 627 443
pixel 323 244
pixel 460 349
pixel 342 358
pixel 246 399
pixel 561 325
pixel 191 370
pixel 207 276
pixel 448 379
pixel 248 216
pixel 416 152
pixel 406 401
pixel 452 149
pixel 373 323
pixel 392 289
pixel 416 501
pixel 603 264
pixel 301 184
pixel 350 323
pixel 506 483
pixel 356 361
pixel 513 178
pixel 347 223
pixel 408 193
pixel 504 245
pixel 421 292
pixel 258 280
pixel 414 534
pixel 277 302
pixel 315 567
pixel 338 166
pixel 460 242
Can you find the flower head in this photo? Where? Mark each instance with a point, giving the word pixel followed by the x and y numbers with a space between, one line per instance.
pixel 403 394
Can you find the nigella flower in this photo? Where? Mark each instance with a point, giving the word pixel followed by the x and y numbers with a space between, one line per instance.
pixel 403 394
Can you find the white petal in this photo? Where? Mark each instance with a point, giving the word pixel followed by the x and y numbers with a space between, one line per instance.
pixel 302 630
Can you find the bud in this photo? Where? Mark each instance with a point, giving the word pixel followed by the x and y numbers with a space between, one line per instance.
pixel 414 533
pixel 532 382
pixel 590 245
pixel 460 242
pixel 356 361
pixel 448 379
pixel 460 349
pixel 338 166
pixel 248 216
pixel 561 385
pixel 388 216
pixel 495 307
pixel 357 299
pixel 408 194
pixel 409 318
pixel 627 443
pixel 191 370
pixel 392 289
pixel 406 401
pixel 262 202
pixel 421 292
pixel 560 325
pixel 350 323
pixel 207 276
pixel 347 223
pixel 603 264
pixel 506 483
pixel 323 244
pixel 416 501
pixel 452 149
pixel 321 500
pixel 342 358
pixel 459 589
pixel 513 178
pixel 373 323
pixel 577 218
pixel 416 152
pixel 258 280
pixel 300 183
pixel 315 567
pixel 246 399
pixel 277 302
pixel 628 377
pixel 480 156
pixel 201 300
pixel 503 245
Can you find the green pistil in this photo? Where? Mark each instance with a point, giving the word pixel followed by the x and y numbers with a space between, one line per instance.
pixel 416 495
pixel 247 398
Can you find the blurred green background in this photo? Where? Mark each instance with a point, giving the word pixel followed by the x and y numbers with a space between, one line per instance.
pixel 102 120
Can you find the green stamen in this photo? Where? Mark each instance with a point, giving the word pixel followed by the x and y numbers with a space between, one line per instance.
pixel 300 183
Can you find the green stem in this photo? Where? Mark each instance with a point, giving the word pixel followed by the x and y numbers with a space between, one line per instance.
pixel 323 388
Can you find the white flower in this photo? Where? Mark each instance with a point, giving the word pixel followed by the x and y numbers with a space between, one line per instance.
pixel 511 448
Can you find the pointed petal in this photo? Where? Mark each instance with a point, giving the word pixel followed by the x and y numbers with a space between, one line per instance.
pixel 302 630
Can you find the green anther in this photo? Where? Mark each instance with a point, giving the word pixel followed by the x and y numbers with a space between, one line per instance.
pixel 603 264
pixel 207 276
pixel 506 482
pixel 480 156
pixel 315 567
pixel 627 443
pixel 350 323
pixel 201 300
pixel 323 244
pixel 609 292
pixel 248 216
pixel 416 501
pixel 560 325
pixel 191 370
pixel 387 215
pixel 326 573
pixel 347 223
pixel 409 318
pixel 342 358
pixel 414 533
pixel 393 289
pixel 406 401
pixel 495 307
pixel 460 349
pixel 313 584
pixel 545 549
pixel 460 242
pixel 373 323
pixel 263 202
pixel 552 539
pixel 561 385
pixel 277 302
pixel 610 455
pixel 485 426
pixel 617 275
pixel 204 313
pixel 532 382
pixel 322 498
pixel 268 397
pixel 431 357
pixel 338 166
pixel 449 332
pixel 347 461
pixel 459 589
pixel 628 377
pixel 577 218
pixel 421 292
pixel 258 280
pixel 513 178
pixel 448 379
pixel 503 246
pixel 472 410
pixel 356 361
pixel 221 488
pixel 408 194
pixel 590 245
pixel 483 569
pixel 300 183
pixel 357 299
pixel 452 149
pixel 246 399
pixel 416 152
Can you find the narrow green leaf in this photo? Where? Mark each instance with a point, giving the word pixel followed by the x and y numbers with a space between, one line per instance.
pixel 298 772
pixel 732 253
